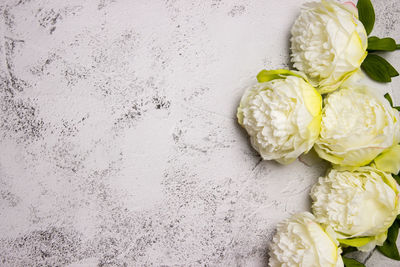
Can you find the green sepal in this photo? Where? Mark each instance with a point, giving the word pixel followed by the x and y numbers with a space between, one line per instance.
pixel 378 69
pixel 357 241
pixel 348 262
pixel 389 98
pixel 378 44
pixel 269 75
pixel 389 248
pixel 366 14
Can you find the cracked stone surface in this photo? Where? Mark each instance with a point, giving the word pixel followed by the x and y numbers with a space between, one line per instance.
pixel 118 139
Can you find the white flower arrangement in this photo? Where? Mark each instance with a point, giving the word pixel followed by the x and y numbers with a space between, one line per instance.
pixel 356 205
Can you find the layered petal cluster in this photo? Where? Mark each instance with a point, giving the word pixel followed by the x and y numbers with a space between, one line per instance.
pixel 282 116
pixel 357 125
pixel 328 43
pixel 301 241
pixel 359 205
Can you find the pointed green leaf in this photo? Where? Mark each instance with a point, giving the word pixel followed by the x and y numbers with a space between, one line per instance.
pixel 389 248
pixel 385 64
pixel 378 69
pixel 375 69
pixel 366 14
pixel 392 71
pixel 389 98
pixel 348 262
pixel 378 44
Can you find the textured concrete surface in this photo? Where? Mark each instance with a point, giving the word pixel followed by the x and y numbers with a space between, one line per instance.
pixel 118 139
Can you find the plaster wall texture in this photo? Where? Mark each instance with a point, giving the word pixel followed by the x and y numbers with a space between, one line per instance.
pixel 119 144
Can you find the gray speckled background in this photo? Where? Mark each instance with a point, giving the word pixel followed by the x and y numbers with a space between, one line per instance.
pixel 118 139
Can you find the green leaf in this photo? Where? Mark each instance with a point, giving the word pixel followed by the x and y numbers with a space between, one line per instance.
pixel 375 69
pixel 389 248
pixel 397 178
pixel 389 98
pixel 348 250
pixel 378 44
pixel 366 14
pixel 378 69
pixel 384 64
pixel 348 262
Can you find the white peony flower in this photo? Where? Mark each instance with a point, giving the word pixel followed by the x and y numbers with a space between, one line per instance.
pixel 359 206
pixel 281 115
pixel 328 43
pixel 300 241
pixel 357 125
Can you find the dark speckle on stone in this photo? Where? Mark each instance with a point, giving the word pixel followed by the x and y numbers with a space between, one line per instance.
pixel 51 247
pixel 161 102
pixel 19 119
pixel 237 10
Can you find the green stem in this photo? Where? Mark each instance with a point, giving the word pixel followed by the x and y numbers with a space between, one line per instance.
pixel 398 46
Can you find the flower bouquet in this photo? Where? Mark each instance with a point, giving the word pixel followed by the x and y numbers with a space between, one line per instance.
pixel 320 106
